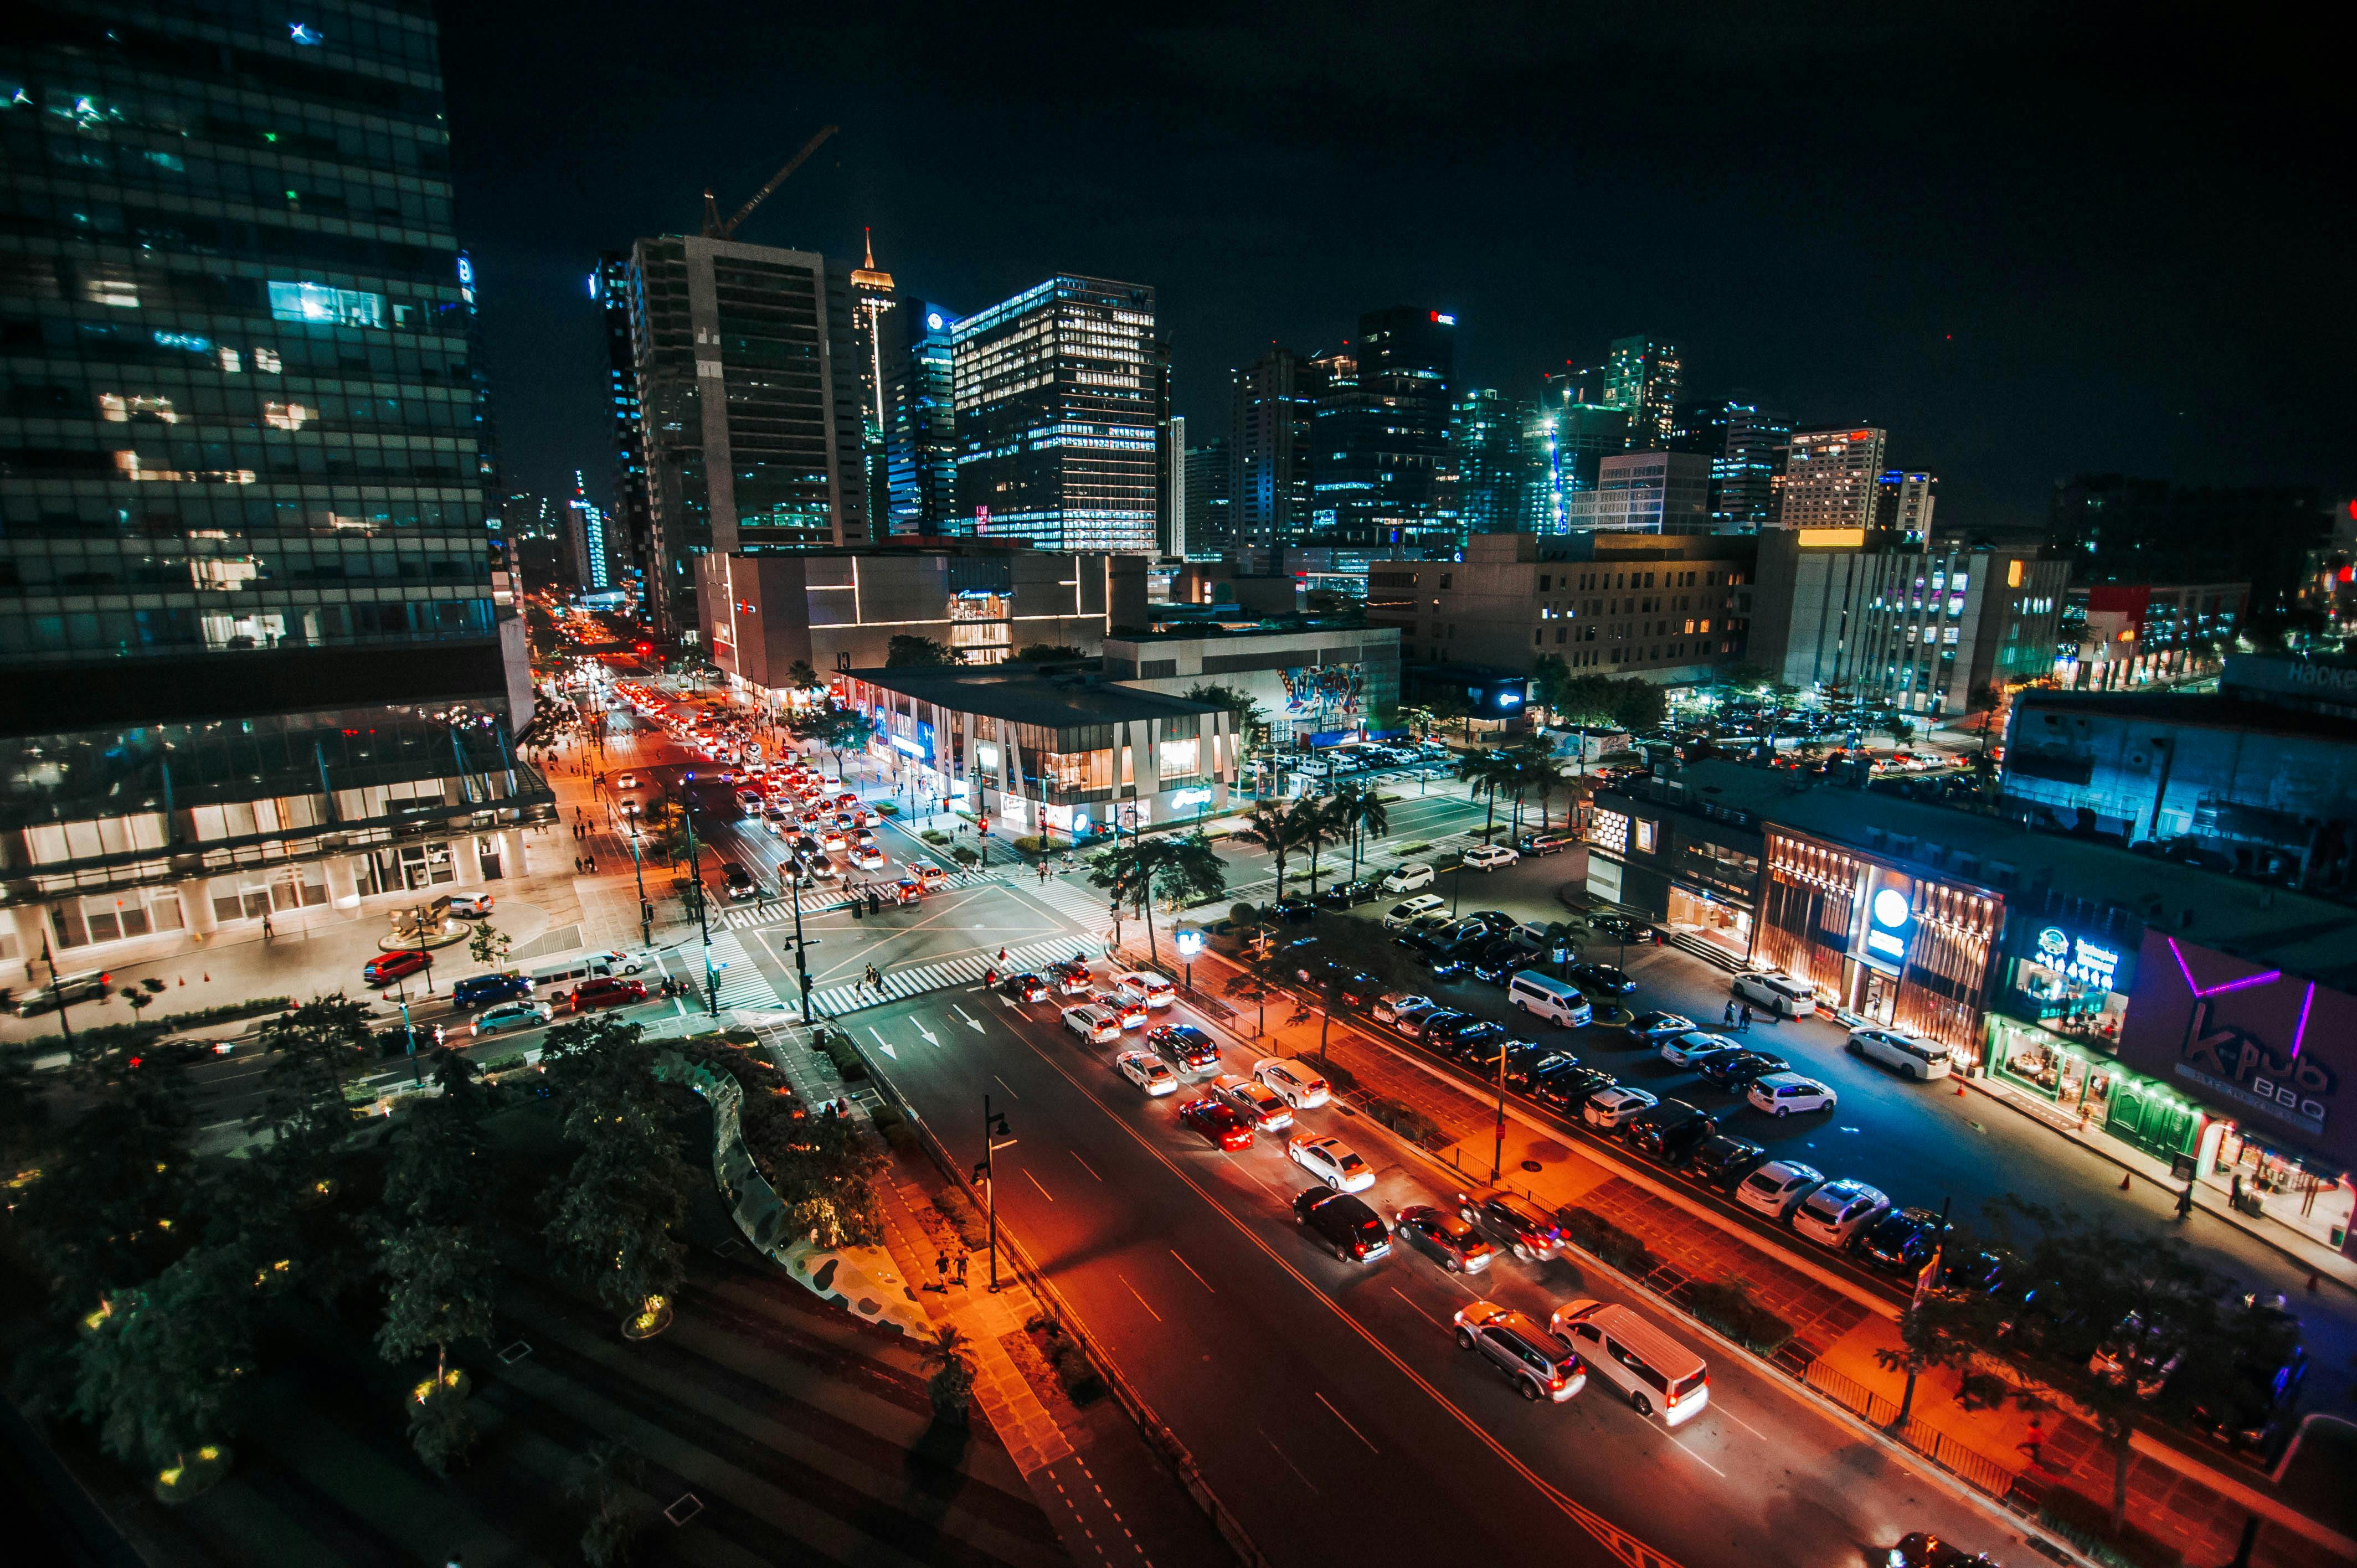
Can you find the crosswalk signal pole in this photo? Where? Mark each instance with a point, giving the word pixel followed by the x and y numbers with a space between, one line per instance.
pixel 994 1128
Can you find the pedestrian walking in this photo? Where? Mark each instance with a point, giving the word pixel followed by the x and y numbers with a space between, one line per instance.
pixel 1002 955
pixel 1746 1025
pixel 1730 1013
pixel 268 930
pixel 2185 1201
pixel 960 1268
pixel 2035 1444
pixel 942 1265
pixel 2237 1197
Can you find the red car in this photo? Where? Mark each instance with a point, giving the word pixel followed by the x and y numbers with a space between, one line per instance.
pixel 386 968
pixel 1222 1125
pixel 610 991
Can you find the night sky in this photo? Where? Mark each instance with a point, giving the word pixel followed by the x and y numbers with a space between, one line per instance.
pixel 2029 243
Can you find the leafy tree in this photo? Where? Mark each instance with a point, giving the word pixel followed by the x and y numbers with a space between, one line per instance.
pixel 443 1280
pixel 157 1370
pixel 823 1169
pixel 607 1475
pixel 952 1385
pixel 904 651
pixel 1320 827
pixel 314 1050
pixel 802 677
pixel 112 1208
pixel 488 945
pixel 1359 812
pixel 664 832
pixel 441 1431
pixel 598 1059
pixel 837 730
pixel 1247 986
pixel 1126 870
pixel 616 1209
pixel 1447 710
pixel 1420 720
pixel 1194 874
pixel 1048 652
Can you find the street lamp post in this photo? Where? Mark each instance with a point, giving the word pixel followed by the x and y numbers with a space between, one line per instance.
pixel 639 871
pixel 1189 940
pixel 994 1128
pixel 1498 1149
pixel 703 917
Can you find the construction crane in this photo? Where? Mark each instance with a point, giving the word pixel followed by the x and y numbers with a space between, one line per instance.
pixel 713 229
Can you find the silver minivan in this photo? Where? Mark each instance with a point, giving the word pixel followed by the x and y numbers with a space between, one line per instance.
pixel 1656 1374
pixel 1544 996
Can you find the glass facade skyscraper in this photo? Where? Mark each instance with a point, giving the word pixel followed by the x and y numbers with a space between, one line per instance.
pixel 1642 377
pixel 632 542
pixel 1380 434
pixel 260 649
pixel 1062 396
pixel 921 411
pixel 1495 467
pixel 1269 451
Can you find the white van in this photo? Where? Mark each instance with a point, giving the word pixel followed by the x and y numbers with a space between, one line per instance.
pixel 583 966
pixel 1545 997
pixel 1655 1371
pixel 1146 986
pixel 1780 993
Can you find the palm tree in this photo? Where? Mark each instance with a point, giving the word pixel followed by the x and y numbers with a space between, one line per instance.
pixel 1320 827
pixel 1193 872
pixel 1533 759
pixel 1486 770
pixel 1276 827
pixel 951 1386
pixel 1359 811
pixel 1129 871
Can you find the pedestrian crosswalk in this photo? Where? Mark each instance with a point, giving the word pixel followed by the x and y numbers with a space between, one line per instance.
pixel 740 983
pixel 918 979
pixel 1082 904
pixel 779 911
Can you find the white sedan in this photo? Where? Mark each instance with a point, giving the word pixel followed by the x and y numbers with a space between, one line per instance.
pixel 1679 1051
pixel 513 1016
pixel 1332 1161
pixel 1143 1069
pixel 870 858
pixel 1489 856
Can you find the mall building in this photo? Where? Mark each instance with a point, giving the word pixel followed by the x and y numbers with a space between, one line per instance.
pixel 1033 753
pixel 2197 1018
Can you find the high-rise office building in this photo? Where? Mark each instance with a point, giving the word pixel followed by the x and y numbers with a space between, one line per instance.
pixel 1495 467
pixel 1830 478
pixel 1748 470
pixel 1269 448
pixel 920 407
pixel 262 655
pixel 1062 396
pixel 1644 493
pixel 612 286
pixel 1643 377
pixel 1381 436
pixel 873 302
pixel 748 391
pixel 1210 505
pixel 536 538
pixel 1903 503
pixel 588 532
pixel 1583 430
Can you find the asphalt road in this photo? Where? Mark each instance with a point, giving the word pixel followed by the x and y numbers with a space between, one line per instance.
pixel 1328 1401
pixel 1919 1143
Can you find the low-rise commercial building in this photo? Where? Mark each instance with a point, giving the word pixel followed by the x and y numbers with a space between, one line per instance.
pixel 1924 630
pixel 1318 685
pixel 2116 637
pixel 839 609
pixel 2259 776
pixel 1028 752
pixel 1673 609
pixel 2191 1017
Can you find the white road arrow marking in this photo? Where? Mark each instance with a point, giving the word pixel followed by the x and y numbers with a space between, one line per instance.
pixel 974 1024
pixel 884 1043
pixel 930 1038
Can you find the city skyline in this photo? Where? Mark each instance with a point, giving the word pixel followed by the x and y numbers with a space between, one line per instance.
pixel 1796 280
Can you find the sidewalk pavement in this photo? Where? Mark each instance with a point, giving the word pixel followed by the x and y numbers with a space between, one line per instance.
pixel 1838 1326
pixel 1112 1500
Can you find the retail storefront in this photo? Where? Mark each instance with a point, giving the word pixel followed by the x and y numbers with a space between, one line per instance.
pixel 2258 1057
pixel 1693 866
pixel 2054 1030
pixel 1880 940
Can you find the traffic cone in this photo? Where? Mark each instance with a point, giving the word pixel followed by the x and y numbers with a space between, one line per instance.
pixel 2123 1184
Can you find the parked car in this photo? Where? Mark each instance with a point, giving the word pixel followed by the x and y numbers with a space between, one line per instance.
pixel 1349 895
pixel 1903 1054
pixel 1267 1110
pixel 1294 910
pixel 1615 1107
pixel 1839 1210
pixel 1345 1223
pixel 1542 1366
pixel 1501 961
pixel 1389 1007
pixel 1601 979
pixel 1094 1025
pixel 1222 1125
pixel 1408 1017
pixel 1648 1028
pixel 1567 1091
pixel 1782 1093
pixel 1543 843
pixel 1899 1240
pixel 1620 927
pixel 1513 1222
pixel 1776 1188
pixel 1296 1082
pixel 612 991
pixel 1446 1240
pixel 1734 1073
pixel 1146 1070
pixel 1189 1049
pixel 472 906
pixel 1399 915
pixel 1489 856
pixel 1454 1032
pixel 1408 877
pixel 1780 993
pixel 1452 960
pixel 1332 1161
pixel 1668 1132
pixel 386 968
pixel 501 1016
pixel 1683 1050
pixel 1721 1160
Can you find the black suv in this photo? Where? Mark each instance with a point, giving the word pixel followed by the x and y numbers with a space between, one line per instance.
pixel 1501 959
pixel 1459 1033
pixel 1451 961
pixel 1601 978
pixel 1512 1222
pixel 1353 1231
pixel 1734 1073
pixel 1293 909
pixel 1668 1132
pixel 1566 1088
pixel 1525 1062
pixel 1346 895
pixel 1620 927
pixel 1901 1241
pixel 1351 987
pixel 739 881
pixel 1721 1161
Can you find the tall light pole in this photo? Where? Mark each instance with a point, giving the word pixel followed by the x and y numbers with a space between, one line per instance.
pixel 638 871
pixel 703 917
pixel 1189 940
pixel 994 1128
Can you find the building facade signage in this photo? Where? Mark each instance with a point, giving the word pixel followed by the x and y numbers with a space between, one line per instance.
pixel 2087 963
